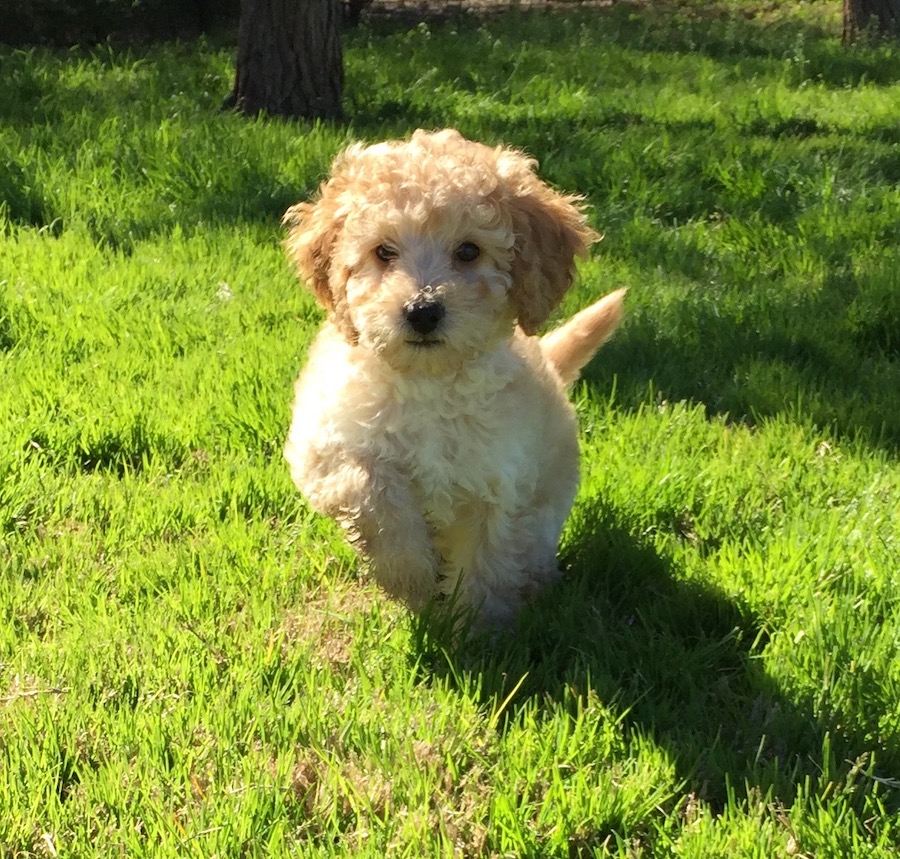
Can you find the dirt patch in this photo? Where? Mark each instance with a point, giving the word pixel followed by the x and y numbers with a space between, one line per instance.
pixel 326 623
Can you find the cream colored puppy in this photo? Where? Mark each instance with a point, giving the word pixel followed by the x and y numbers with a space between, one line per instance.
pixel 429 420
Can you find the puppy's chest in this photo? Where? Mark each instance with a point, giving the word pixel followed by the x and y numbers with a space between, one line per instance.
pixel 457 448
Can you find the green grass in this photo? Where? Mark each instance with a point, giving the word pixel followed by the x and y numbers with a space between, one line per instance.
pixel 189 663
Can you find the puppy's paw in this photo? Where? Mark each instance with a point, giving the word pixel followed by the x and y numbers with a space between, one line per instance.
pixel 408 574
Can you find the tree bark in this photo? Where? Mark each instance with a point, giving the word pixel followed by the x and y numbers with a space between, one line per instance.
pixel 289 60
pixel 882 15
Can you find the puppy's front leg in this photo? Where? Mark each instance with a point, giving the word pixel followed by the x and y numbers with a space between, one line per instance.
pixel 375 504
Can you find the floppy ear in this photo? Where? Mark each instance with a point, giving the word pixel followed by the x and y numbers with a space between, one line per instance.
pixel 313 232
pixel 551 232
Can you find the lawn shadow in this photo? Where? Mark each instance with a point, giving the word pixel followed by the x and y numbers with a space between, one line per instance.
pixel 714 30
pixel 828 359
pixel 679 660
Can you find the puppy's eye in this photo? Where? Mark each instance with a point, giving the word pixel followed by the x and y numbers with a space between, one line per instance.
pixel 468 252
pixel 385 253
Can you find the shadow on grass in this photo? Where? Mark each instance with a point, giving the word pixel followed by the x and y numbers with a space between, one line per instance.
pixel 719 31
pixel 830 361
pixel 679 660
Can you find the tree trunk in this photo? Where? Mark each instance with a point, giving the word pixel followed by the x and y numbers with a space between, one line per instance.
pixel 289 60
pixel 881 15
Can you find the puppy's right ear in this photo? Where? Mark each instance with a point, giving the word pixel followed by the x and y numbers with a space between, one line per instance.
pixel 313 231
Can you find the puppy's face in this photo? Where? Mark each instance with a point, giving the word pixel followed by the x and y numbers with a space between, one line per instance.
pixel 427 274
pixel 428 252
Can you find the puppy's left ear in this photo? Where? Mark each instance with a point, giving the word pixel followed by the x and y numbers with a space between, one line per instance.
pixel 313 232
pixel 551 232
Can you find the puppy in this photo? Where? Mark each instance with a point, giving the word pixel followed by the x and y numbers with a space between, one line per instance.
pixel 429 419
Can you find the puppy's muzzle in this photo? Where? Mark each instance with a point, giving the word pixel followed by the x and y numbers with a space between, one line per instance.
pixel 424 312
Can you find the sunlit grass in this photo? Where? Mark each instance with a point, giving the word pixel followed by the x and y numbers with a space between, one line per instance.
pixel 189 664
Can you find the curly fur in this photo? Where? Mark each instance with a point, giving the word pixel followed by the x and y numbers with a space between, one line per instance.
pixel 446 448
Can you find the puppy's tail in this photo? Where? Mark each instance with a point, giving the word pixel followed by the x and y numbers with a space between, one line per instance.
pixel 569 347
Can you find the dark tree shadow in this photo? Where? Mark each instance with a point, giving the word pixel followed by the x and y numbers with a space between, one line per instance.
pixel 831 360
pixel 715 30
pixel 679 660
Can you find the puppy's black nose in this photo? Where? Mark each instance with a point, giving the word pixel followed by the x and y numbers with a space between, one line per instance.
pixel 424 313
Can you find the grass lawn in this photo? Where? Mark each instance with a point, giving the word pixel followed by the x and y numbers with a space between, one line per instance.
pixel 192 664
